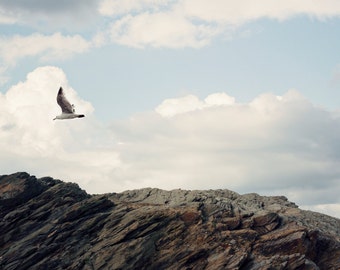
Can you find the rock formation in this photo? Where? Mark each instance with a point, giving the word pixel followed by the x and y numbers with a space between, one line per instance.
pixel 48 224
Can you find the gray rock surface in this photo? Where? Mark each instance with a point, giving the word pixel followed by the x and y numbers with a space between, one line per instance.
pixel 48 224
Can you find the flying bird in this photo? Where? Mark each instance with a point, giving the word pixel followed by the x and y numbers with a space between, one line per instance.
pixel 67 110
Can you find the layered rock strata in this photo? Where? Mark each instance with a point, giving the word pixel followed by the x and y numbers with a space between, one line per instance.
pixel 48 224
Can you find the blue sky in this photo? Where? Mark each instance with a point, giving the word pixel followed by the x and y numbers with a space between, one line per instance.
pixel 248 93
pixel 264 56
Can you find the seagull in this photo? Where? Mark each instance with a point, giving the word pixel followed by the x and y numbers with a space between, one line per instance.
pixel 67 110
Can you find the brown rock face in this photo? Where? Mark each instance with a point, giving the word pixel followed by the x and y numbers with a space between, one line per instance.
pixel 49 224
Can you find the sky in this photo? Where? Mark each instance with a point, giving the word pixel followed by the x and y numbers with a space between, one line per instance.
pixel 192 94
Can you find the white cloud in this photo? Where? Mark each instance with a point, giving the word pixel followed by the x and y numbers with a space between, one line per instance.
pixel 225 11
pixel 219 99
pixel 172 107
pixel 48 47
pixel 243 11
pixel 56 47
pixel 160 30
pixel 31 141
pixel 194 23
pixel 118 7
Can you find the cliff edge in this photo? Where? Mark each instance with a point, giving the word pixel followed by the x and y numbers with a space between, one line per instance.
pixel 49 224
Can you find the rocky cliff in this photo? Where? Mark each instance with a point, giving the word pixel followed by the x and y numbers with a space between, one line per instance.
pixel 49 224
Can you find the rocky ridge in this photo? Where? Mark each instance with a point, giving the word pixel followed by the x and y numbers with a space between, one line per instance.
pixel 49 224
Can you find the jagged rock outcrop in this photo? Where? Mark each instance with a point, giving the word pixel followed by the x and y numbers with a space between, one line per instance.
pixel 49 224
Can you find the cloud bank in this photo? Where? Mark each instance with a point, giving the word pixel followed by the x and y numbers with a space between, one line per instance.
pixel 272 145
pixel 74 27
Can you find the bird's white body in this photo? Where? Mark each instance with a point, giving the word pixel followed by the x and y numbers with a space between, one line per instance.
pixel 68 116
pixel 67 109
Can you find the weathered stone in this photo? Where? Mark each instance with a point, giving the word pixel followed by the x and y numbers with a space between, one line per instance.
pixel 48 224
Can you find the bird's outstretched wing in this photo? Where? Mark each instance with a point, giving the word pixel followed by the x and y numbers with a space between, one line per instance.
pixel 66 106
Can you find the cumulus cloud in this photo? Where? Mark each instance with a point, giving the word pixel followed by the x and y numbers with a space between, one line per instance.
pixel 31 141
pixel 171 107
pixel 273 145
